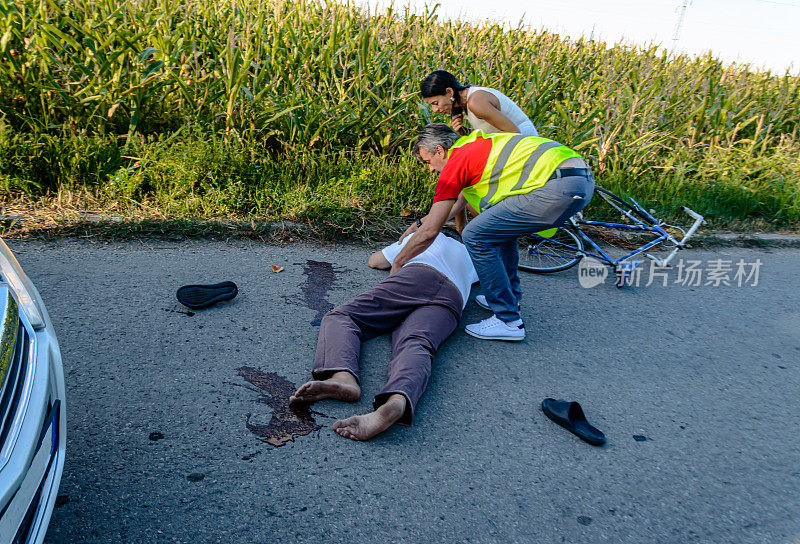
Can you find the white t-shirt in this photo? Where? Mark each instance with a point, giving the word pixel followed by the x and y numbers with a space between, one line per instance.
pixel 447 256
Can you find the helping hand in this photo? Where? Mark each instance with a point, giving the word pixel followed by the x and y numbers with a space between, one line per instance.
pixel 409 231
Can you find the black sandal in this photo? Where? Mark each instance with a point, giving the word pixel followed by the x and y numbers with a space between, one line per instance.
pixel 198 297
pixel 570 416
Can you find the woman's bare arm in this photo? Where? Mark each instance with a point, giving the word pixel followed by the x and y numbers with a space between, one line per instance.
pixel 486 106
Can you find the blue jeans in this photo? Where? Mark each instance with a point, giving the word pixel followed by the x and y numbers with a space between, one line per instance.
pixel 491 237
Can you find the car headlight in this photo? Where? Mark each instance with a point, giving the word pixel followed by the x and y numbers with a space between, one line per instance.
pixel 22 286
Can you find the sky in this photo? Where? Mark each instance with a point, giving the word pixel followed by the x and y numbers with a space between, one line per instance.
pixel 763 33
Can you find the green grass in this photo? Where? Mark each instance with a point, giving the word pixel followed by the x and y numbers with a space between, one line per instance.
pixel 304 110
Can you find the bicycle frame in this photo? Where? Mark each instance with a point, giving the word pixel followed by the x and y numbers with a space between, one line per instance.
pixel 601 255
pixel 639 226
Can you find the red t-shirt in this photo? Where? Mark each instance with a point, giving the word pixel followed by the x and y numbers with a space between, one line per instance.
pixel 464 168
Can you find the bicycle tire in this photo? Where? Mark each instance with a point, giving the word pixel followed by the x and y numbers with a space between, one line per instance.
pixel 625 207
pixel 542 256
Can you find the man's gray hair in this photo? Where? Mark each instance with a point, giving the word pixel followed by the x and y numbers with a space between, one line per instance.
pixel 435 134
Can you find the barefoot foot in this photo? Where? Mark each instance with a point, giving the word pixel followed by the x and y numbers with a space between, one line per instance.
pixel 369 425
pixel 340 386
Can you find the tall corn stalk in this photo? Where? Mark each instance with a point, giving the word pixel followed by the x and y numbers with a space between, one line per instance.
pixel 320 76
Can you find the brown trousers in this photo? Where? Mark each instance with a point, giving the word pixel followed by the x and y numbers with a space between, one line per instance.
pixel 419 305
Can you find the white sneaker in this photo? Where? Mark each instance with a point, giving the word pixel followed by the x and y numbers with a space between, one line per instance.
pixel 496 329
pixel 480 300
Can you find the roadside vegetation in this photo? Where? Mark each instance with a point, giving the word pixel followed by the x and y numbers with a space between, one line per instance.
pixel 260 110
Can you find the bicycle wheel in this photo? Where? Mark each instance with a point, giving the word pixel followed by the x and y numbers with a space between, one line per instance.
pixel 542 255
pixel 625 207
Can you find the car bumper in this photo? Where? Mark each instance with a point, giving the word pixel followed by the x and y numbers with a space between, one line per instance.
pixel 32 449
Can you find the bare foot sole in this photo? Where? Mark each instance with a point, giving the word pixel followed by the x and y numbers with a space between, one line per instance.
pixel 369 425
pixel 325 389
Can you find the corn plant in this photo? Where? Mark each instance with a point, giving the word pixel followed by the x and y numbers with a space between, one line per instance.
pixel 310 76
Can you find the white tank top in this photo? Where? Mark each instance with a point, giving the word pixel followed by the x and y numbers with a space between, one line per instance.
pixel 507 108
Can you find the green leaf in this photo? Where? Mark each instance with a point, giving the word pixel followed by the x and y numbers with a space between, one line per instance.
pixel 147 53
pixel 5 39
pixel 152 69
pixel 282 113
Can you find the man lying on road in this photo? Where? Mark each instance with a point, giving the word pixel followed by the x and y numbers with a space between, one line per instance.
pixel 421 304
pixel 519 185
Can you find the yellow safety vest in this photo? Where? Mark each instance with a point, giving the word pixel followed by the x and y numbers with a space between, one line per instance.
pixel 516 165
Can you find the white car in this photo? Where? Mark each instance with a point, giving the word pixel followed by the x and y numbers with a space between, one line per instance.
pixel 32 410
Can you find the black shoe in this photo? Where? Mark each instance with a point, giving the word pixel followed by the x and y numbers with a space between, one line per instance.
pixel 198 297
pixel 570 416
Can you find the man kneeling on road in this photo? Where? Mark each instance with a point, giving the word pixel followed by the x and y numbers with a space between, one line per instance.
pixel 420 304
pixel 519 185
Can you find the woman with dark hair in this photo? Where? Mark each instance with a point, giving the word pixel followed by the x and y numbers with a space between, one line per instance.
pixel 487 109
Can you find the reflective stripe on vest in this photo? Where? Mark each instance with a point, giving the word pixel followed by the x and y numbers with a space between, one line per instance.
pixel 516 164
pixel 497 169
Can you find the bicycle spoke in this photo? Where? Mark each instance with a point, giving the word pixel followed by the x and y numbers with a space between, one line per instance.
pixel 561 251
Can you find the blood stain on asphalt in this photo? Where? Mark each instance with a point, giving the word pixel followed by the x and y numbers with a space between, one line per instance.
pixel 320 277
pixel 288 421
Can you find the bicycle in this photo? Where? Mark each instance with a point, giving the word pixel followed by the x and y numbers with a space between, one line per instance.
pixel 561 248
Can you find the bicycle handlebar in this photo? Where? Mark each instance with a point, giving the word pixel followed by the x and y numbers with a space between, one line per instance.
pixel 698 220
pixel 692 213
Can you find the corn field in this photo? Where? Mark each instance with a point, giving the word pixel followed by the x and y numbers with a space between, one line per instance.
pixel 88 89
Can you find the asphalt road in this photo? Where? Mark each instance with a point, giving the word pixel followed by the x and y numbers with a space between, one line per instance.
pixel 696 388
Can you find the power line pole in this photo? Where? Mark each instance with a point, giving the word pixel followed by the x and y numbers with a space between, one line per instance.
pixel 680 23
